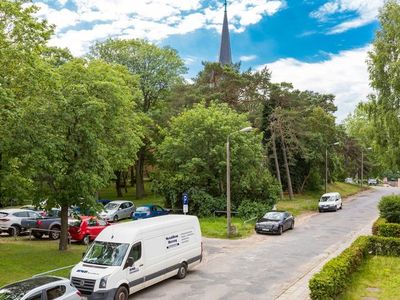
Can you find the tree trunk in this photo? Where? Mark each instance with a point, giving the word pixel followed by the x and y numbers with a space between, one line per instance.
pixel 63 245
pixel 140 173
pixel 290 189
pixel 304 182
pixel 118 183
pixel 278 172
pixel 132 170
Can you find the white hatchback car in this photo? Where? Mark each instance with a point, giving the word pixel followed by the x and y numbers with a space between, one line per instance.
pixel 330 202
pixel 40 288
pixel 10 219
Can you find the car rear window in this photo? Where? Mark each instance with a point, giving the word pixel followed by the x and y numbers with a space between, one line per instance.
pixel 3 214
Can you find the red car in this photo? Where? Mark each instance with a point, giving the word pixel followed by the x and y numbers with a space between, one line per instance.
pixel 86 229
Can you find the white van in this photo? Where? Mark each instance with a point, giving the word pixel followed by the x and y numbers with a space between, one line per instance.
pixel 330 202
pixel 128 257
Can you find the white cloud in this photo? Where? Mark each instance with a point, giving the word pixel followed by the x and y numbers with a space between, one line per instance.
pixel 150 19
pixel 247 58
pixel 345 75
pixel 366 10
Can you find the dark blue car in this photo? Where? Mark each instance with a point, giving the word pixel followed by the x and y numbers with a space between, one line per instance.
pixel 149 211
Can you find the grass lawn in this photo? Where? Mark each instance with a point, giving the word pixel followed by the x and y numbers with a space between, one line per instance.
pixel 149 198
pixel 309 201
pixel 216 227
pixel 379 277
pixel 24 258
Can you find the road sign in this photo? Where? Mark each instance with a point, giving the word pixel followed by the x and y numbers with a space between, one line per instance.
pixel 185 201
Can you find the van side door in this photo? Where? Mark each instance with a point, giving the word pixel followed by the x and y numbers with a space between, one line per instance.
pixel 135 272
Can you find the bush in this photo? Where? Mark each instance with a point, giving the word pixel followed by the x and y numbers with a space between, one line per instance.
pixel 251 209
pixel 389 208
pixel 382 228
pixel 203 204
pixel 388 246
pixel 335 275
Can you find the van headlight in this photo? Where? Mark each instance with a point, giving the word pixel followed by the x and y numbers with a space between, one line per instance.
pixel 103 282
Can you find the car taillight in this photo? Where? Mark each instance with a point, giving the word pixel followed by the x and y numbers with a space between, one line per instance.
pixel 5 220
pixel 39 222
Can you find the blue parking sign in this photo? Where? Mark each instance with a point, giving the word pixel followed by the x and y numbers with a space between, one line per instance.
pixel 185 202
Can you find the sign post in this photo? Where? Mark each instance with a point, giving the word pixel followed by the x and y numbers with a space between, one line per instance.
pixel 185 201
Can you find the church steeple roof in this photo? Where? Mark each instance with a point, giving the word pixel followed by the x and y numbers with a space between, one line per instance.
pixel 225 56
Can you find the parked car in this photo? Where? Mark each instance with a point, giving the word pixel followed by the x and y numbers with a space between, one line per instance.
pixel 372 181
pixel 117 210
pixel 128 257
pixel 103 201
pixel 275 222
pixel 40 288
pixel 34 208
pixel 11 219
pixel 149 211
pixel 330 202
pixel 40 226
pixel 349 180
pixel 86 228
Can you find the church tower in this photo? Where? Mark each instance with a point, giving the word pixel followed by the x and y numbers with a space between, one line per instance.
pixel 225 56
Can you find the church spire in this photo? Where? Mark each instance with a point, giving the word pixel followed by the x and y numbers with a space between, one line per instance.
pixel 225 56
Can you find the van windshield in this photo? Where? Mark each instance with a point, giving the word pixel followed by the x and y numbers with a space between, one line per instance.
pixel 106 254
pixel 326 199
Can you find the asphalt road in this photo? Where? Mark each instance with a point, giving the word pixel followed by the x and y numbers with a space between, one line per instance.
pixel 263 267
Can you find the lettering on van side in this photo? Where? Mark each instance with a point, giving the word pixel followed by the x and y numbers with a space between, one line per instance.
pixel 172 241
pixel 133 270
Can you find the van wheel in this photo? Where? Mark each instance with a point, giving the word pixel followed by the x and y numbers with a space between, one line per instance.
pixel 121 294
pixel 182 271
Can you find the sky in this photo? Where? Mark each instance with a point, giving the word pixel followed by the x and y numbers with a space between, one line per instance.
pixel 318 45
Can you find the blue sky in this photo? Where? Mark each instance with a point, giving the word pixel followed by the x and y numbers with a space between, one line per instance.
pixel 319 45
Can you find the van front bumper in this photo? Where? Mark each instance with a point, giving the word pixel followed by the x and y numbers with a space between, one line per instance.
pixel 101 295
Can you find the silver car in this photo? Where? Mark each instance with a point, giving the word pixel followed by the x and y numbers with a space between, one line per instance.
pixel 40 288
pixel 117 210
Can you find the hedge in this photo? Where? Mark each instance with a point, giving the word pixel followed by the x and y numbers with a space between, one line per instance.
pixel 389 207
pixel 382 228
pixel 335 276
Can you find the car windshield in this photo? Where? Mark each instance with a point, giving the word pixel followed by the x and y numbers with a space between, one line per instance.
pixel 142 209
pixel 326 198
pixel 111 206
pixel 273 216
pixel 105 253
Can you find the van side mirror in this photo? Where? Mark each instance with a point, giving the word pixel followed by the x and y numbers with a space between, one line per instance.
pixel 129 262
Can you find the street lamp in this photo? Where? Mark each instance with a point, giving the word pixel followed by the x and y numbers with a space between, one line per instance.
pixel 362 165
pixel 228 179
pixel 326 165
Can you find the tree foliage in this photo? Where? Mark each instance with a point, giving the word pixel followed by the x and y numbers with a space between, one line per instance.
pixel 192 157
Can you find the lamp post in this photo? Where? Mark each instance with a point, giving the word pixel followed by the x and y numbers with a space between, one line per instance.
pixel 228 179
pixel 362 165
pixel 326 165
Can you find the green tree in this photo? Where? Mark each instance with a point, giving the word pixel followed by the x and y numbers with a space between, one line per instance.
pixel 192 159
pixel 159 69
pixel 75 140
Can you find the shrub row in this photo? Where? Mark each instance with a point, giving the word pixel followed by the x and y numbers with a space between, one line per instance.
pixel 335 276
pixel 382 228
pixel 389 208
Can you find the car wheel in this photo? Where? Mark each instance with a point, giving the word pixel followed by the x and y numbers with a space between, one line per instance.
pixel 335 208
pixel 182 271
pixel 121 293
pixel 280 230
pixel 37 234
pixel 54 234
pixel 292 225
pixel 14 230
pixel 86 240
pixel 115 219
